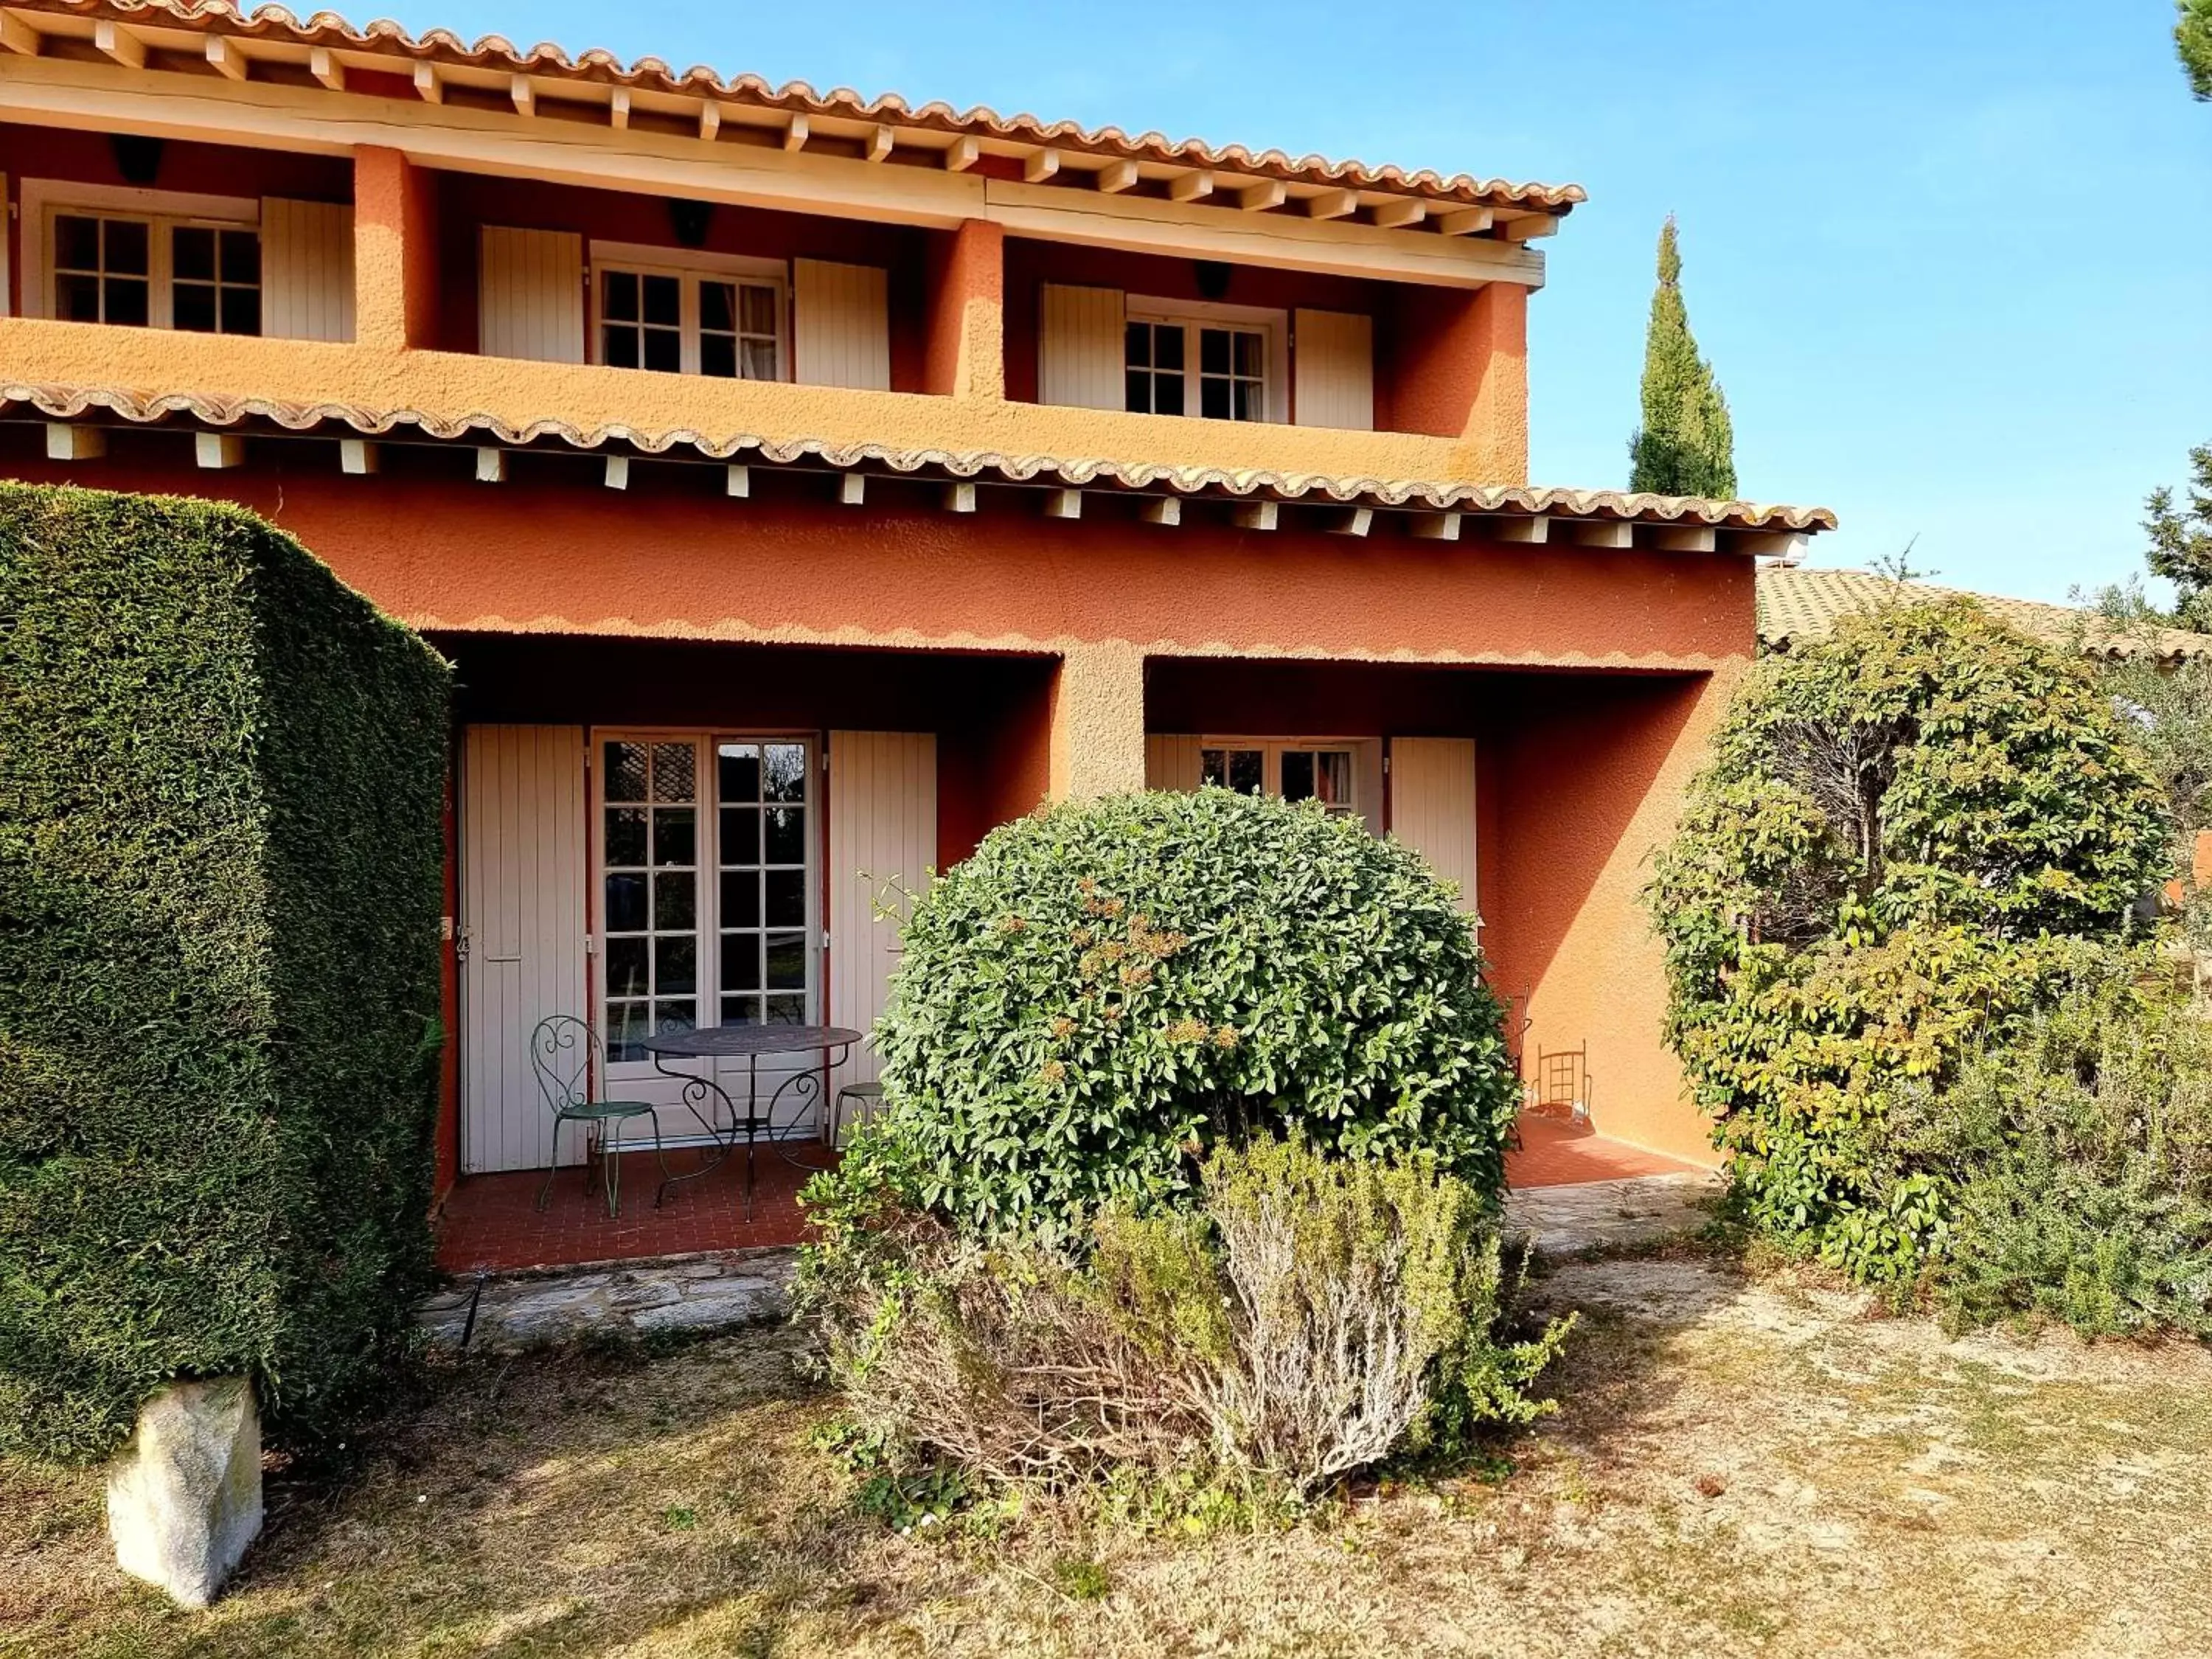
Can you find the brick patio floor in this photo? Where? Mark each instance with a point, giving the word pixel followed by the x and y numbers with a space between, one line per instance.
pixel 492 1224
pixel 1557 1153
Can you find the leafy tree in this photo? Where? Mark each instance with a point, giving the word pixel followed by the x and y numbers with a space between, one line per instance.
pixel 2181 535
pixel 2192 38
pixel 1686 445
pixel 1904 834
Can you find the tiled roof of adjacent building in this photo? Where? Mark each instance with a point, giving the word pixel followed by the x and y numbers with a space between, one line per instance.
pixel 440 48
pixel 1797 604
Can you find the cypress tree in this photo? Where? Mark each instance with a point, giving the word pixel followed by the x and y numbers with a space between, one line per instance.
pixel 1686 445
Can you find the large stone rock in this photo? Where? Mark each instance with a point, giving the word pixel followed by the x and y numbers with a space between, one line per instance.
pixel 184 1498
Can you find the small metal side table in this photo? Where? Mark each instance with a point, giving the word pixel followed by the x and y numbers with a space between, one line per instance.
pixel 716 1043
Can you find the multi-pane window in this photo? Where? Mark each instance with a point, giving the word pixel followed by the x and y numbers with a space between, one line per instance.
pixel 1232 374
pixel 215 283
pixel 682 324
pixel 103 270
pixel 1193 365
pixel 641 320
pixel 764 844
pixel 1152 360
pixel 1322 775
pixel 737 330
pixel 649 857
pixel 153 272
pixel 706 856
pixel 1294 771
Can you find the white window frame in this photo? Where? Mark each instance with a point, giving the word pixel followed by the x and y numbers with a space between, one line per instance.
pixel 1195 314
pixel 688 266
pixel 1272 750
pixel 41 199
pixel 706 860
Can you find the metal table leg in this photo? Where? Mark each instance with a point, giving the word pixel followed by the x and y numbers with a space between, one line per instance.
pixel 695 1091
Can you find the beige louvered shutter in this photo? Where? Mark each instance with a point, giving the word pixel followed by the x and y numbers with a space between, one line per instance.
pixel 523 876
pixel 1433 806
pixel 1334 374
pixel 1171 761
pixel 530 295
pixel 6 286
pixel 883 841
pixel 840 326
pixel 307 270
pixel 1079 347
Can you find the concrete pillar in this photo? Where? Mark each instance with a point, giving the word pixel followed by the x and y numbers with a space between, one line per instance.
pixel 965 353
pixel 395 251
pixel 1458 369
pixel 1098 722
pixel 1493 445
pixel 184 1498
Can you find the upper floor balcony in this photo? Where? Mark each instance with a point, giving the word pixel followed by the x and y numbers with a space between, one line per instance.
pixel 472 243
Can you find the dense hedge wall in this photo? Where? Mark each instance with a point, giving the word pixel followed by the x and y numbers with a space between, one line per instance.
pixel 222 775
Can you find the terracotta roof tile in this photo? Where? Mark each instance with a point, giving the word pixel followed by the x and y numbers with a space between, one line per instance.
pixel 1797 604
pixel 69 403
pixel 442 46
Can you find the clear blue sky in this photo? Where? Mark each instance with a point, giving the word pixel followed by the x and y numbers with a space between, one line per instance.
pixel 1953 261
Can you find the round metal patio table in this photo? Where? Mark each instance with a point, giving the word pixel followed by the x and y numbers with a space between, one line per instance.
pixel 716 1043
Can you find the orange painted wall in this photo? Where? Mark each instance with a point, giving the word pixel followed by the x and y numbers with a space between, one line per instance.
pixel 553 551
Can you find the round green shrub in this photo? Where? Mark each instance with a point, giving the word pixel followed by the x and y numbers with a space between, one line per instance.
pixel 1106 990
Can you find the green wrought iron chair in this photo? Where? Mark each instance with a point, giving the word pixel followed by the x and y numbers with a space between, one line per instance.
pixel 566 1054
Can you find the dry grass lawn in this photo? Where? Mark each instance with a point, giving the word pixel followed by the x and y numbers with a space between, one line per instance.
pixel 1743 1465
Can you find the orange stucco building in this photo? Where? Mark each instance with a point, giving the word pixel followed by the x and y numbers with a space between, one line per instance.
pixel 803 485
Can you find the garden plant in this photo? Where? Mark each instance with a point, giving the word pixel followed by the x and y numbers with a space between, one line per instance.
pixel 1913 836
pixel 222 776
pixel 1196 1109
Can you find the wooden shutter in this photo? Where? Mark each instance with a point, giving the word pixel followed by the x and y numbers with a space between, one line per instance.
pixel 1080 351
pixel 1335 355
pixel 840 326
pixel 882 831
pixel 530 295
pixel 307 270
pixel 1433 805
pixel 522 875
pixel 1171 761
pixel 7 239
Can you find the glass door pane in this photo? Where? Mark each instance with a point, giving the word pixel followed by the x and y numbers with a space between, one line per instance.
pixel 1322 775
pixel 1244 770
pixel 767 920
pixel 649 865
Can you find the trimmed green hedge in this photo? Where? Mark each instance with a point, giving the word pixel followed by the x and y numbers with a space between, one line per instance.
pixel 222 782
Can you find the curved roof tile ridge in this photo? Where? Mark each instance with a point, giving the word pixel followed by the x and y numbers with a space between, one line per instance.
pixel 329 28
pixel 65 402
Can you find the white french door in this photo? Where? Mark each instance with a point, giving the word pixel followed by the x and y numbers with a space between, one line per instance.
pixel 706 902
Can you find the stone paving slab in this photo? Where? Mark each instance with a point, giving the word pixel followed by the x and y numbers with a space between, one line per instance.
pixel 1563 1220
pixel 520 1310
